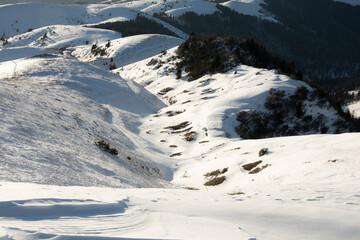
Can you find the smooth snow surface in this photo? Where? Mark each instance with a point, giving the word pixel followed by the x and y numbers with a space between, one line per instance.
pixel 29 211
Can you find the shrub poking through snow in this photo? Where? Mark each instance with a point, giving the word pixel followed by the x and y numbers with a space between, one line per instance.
pixel 258 169
pixel 250 166
pixel 176 154
pixel 263 151
pixel 216 173
pixel 190 136
pixel 165 90
pixel 215 181
pixel 178 126
pixel 106 147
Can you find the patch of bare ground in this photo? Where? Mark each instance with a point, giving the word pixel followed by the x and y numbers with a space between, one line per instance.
pixel 250 166
pixel 165 91
pixel 236 193
pixel 216 173
pixel 186 102
pixel 190 136
pixel 176 154
pixel 259 169
pixel 171 114
pixel 191 188
pixel 179 126
pixel 215 181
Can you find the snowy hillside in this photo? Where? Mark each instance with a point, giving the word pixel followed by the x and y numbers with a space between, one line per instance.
pixel 107 137
pixel 62 107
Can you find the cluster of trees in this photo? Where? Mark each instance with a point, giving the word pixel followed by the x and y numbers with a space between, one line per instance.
pixel 321 37
pixel 285 115
pixel 140 25
pixel 208 54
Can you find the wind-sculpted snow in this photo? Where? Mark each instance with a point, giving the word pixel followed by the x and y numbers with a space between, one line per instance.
pixel 41 209
pixel 101 213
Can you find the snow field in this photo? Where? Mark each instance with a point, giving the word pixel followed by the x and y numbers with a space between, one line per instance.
pixel 104 213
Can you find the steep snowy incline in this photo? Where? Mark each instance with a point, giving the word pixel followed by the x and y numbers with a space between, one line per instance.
pixel 53 111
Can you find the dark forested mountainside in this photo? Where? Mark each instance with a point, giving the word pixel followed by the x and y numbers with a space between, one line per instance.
pixel 141 25
pixel 321 37
pixel 208 54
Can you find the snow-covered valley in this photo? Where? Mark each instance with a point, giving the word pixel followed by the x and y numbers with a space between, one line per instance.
pixel 174 166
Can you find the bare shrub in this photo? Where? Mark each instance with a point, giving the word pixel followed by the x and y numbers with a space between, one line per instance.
pixel 106 147
pixel 178 126
pixel 236 193
pixel 215 181
pixel 263 151
pixel 190 136
pixel 176 154
pixel 216 173
pixel 165 90
pixel 250 166
pixel 258 169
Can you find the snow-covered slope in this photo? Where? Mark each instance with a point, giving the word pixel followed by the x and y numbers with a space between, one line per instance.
pixel 29 211
pixel 54 109
pixel 19 18
pixel 124 51
pixel 173 137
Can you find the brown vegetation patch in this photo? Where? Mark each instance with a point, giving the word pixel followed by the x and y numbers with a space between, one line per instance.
pixel 190 136
pixel 216 173
pixel 215 181
pixel 172 100
pixel 263 151
pixel 238 148
pixel 171 114
pixel 236 193
pixel 178 126
pixel 176 154
pixel 250 166
pixel 258 169
pixel 191 188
